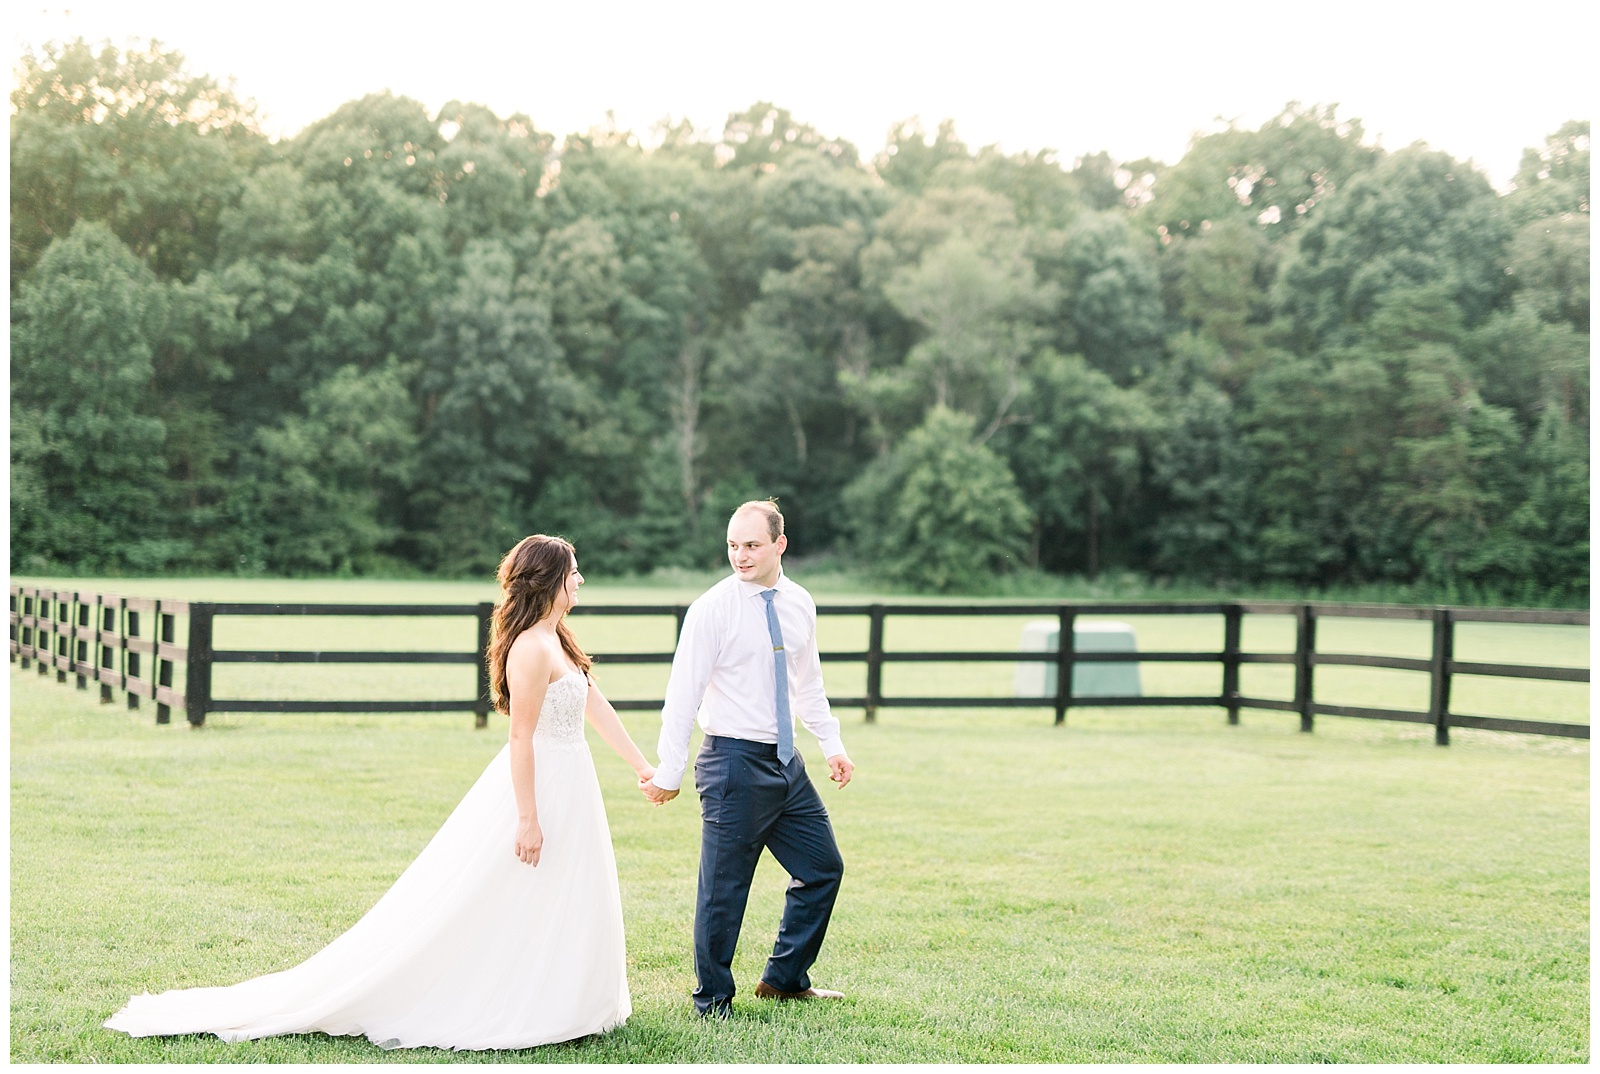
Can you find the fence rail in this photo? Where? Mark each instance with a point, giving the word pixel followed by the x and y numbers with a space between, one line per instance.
pixel 99 637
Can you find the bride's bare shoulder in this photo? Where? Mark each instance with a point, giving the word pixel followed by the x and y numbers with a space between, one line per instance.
pixel 531 652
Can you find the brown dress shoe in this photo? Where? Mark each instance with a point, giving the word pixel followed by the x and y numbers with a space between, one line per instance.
pixel 766 991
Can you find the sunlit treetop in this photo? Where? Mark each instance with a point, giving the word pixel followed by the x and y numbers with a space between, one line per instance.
pixel 73 83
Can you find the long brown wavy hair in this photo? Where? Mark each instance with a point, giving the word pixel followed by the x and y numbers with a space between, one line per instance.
pixel 532 576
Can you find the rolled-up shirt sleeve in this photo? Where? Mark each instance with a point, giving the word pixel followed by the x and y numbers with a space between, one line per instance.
pixel 812 695
pixel 686 686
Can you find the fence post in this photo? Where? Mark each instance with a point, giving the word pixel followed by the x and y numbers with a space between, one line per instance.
pixel 50 643
pixel 164 634
pixel 130 659
pixel 31 603
pixel 874 660
pixel 1444 644
pixel 62 638
pixel 44 630
pixel 197 673
pixel 679 611
pixel 1066 650
pixel 41 644
pixel 66 637
pixel 105 617
pixel 485 627
pixel 79 645
pixel 1233 618
pixel 1305 647
pixel 24 632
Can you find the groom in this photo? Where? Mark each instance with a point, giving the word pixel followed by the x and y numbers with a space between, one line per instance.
pixel 747 663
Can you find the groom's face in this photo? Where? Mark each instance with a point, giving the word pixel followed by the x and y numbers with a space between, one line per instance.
pixel 752 553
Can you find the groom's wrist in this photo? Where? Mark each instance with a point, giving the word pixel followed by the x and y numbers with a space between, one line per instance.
pixel 667 781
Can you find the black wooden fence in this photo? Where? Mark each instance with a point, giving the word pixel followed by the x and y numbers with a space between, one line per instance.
pixel 98 637
pixel 122 643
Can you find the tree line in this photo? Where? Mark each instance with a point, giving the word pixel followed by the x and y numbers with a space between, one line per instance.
pixel 399 341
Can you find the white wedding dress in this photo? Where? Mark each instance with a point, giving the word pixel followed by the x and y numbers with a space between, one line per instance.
pixel 470 948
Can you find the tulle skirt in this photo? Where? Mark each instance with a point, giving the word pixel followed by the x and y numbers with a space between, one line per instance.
pixel 469 949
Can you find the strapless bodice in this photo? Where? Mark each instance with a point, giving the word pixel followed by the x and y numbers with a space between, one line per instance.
pixel 561 717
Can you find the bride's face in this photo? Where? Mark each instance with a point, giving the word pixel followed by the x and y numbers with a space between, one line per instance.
pixel 570 589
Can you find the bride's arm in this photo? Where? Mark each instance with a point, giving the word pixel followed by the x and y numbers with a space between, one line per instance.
pixel 605 720
pixel 528 668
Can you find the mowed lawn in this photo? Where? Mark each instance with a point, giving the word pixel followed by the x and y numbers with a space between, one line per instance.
pixel 1137 885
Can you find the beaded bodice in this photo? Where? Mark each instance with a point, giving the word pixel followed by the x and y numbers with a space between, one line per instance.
pixel 561 717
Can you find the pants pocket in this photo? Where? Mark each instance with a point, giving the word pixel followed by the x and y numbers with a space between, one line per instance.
pixel 711 783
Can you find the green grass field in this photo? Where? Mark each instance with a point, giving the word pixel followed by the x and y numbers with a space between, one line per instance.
pixel 1147 885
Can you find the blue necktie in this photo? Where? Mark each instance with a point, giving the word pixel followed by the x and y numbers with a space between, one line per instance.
pixel 780 667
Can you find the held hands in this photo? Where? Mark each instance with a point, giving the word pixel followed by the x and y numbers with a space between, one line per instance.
pixel 530 841
pixel 653 794
pixel 840 769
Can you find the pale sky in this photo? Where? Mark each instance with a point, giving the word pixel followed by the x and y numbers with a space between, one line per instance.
pixel 1477 81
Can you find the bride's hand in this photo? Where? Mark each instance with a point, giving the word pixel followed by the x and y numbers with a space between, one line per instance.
pixel 530 840
pixel 645 774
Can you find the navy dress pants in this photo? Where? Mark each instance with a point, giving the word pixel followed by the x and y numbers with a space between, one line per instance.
pixel 748 800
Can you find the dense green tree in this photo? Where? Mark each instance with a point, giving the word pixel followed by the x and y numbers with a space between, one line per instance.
pixel 1221 282
pixel 1549 261
pixel 1200 505
pixel 670 307
pixel 928 251
pixel 313 489
pixel 941 511
pixel 910 158
pixel 1416 218
pixel 1533 367
pixel 491 172
pixel 912 226
pixel 129 139
pixel 191 375
pixel 1099 184
pixel 980 318
pixel 379 137
pixel 579 273
pixel 409 338
pixel 1553 180
pixel 87 432
pixel 1370 459
pixel 1111 310
pixel 779 381
pixel 332 264
pixel 1317 446
pixel 764 137
pixel 1075 453
pixel 1040 191
pixel 495 396
pixel 1273 177
pixel 1443 433
pixel 1540 548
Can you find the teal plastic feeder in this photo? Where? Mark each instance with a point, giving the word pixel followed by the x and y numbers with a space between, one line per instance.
pixel 1089 679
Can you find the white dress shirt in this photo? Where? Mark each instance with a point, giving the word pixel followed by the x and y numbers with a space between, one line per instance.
pixel 723 669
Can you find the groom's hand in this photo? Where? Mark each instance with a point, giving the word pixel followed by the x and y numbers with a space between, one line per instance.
pixel 840 769
pixel 656 795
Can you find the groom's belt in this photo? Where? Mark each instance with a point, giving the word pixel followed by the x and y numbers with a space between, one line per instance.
pixel 722 743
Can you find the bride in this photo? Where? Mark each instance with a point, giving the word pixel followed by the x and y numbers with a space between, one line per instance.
pixel 506 931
